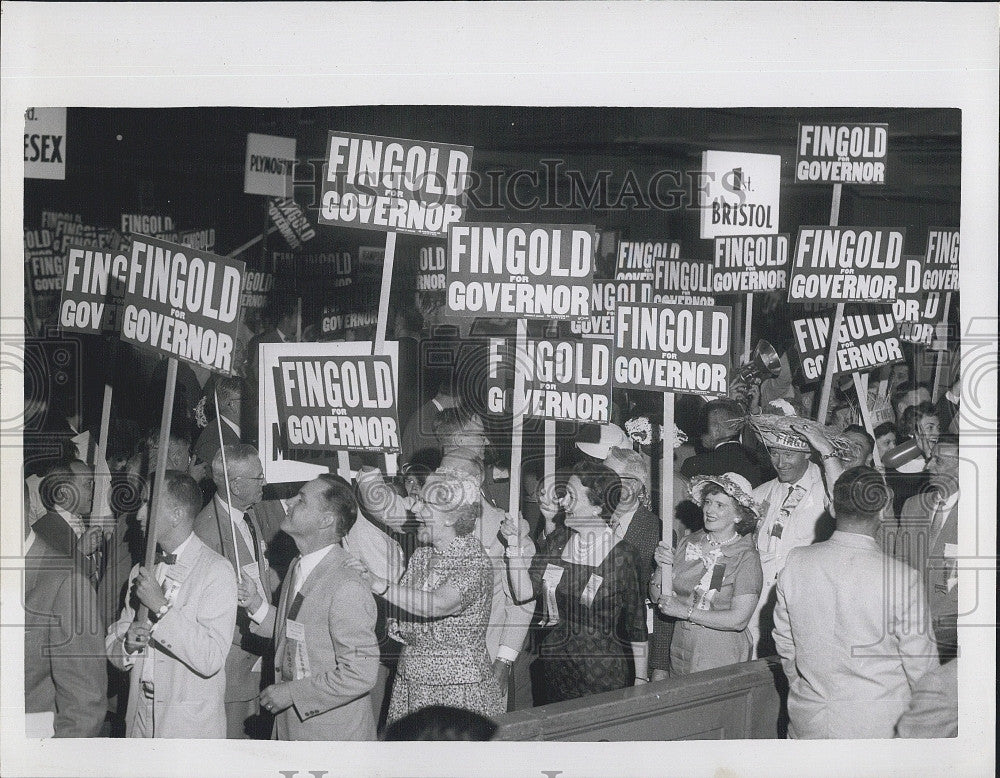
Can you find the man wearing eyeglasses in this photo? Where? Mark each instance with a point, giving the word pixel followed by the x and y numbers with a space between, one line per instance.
pixel 231 526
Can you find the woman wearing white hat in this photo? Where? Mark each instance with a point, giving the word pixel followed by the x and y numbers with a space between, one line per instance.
pixel 717 578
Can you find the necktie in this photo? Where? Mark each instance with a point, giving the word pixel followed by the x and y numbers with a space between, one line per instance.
pixel 162 556
pixel 296 582
pixel 940 514
pixel 253 537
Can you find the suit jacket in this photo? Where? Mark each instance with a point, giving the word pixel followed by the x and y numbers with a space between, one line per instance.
pixel 64 666
pixel 849 628
pixel 207 445
pixel 643 534
pixel 933 555
pixel 728 457
pixel 56 532
pixel 336 611
pixel 242 683
pixel 186 656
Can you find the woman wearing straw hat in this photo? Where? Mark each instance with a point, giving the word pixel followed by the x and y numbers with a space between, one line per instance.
pixel 716 578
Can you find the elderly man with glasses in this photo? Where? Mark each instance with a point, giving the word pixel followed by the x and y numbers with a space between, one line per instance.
pixel 231 525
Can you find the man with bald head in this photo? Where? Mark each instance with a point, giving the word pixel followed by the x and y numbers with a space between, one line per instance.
pixel 177 658
pixel 230 527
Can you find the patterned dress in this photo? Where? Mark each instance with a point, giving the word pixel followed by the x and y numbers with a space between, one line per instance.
pixel 444 661
pixel 734 570
pixel 598 612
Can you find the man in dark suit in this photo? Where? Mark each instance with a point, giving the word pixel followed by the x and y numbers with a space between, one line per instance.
pixel 67 492
pixel 327 655
pixel 723 451
pixel 230 394
pixel 927 540
pixel 65 672
pixel 231 528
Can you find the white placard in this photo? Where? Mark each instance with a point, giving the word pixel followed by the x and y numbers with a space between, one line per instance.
pixel 45 143
pixel 269 165
pixel 740 196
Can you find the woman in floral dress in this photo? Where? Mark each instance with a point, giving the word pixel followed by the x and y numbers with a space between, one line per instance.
pixel 444 597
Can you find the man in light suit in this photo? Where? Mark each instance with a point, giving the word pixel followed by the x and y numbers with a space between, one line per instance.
pixel 65 673
pixel 177 662
pixel 927 540
pixel 232 529
pixel 849 623
pixel 327 656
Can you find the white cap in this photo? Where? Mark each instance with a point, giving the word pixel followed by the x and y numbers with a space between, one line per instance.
pixel 612 436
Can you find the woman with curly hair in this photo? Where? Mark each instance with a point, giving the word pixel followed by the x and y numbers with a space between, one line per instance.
pixel 717 578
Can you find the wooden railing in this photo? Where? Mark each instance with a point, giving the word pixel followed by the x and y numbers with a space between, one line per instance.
pixel 739 701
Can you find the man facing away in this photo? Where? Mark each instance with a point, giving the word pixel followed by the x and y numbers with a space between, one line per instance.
pixel 326 653
pixel 850 623
pixel 177 661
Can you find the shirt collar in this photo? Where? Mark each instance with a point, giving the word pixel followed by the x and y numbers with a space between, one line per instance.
pixel 853 539
pixel 808 480
pixel 75 522
pixel 235 515
pixel 308 562
pixel 724 443
pixel 949 502
pixel 232 426
pixel 179 551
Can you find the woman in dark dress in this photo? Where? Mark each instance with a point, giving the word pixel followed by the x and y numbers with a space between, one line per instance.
pixel 586 579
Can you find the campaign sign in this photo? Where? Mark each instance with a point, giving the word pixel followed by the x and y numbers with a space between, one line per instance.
pixel 50 218
pixel 198 239
pixel 291 220
pixel 565 380
pixel 337 402
pixel 683 282
pixel 636 258
pixel 269 166
pixel 672 348
pixel 45 143
pixel 604 295
pixel 146 224
pixel 866 341
pixel 394 185
pixel 329 268
pixel 740 196
pixel 182 303
pixel 92 290
pixel 46 270
pixel 841 153
pixel 256 289
pixel 916 310
pixel 520 270
pixel 752 263
pixel 846 264
pixel 941 261
pixel 430 269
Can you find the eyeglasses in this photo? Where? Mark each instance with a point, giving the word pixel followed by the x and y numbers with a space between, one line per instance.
pixel 258 478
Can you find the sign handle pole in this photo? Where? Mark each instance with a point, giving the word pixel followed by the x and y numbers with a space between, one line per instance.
pixel 940 358
pixel 344 464
pixel 667 488
pixel 861 387
pixel 252 242
pixel 156 504
pixel 102 441
pixel 225 475
pixel 746 327
pixel 517 430
pixel 550 451
pixel 824 397
pixel 298 320
pixel 391 460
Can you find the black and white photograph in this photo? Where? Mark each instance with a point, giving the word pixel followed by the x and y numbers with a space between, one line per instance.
pixel 375 373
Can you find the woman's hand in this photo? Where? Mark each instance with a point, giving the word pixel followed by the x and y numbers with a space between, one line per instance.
pixel 672 606
pixel 664 554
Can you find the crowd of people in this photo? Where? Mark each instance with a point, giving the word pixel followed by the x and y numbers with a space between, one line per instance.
pixel 345 606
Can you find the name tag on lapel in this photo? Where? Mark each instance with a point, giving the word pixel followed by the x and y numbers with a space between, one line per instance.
pixel 295 630
pixel 590 590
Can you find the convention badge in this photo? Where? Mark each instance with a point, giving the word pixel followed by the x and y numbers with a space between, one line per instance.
pixel 170 589
pixel 649 617
pixel 550 579
pixel 258 665
pixel 295 630
pixel 590 590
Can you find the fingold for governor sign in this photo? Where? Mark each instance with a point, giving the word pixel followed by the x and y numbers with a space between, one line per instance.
pixel 318 398
pixel 866 341
pixel 635 259
pixel 751 263
pixel 182 302
pixel 672 348
pixel 565 380
pixel 92 290
pixel 846 264
pixel 842 153
pixel 394 185
pixel 520 270
pixel 604 295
